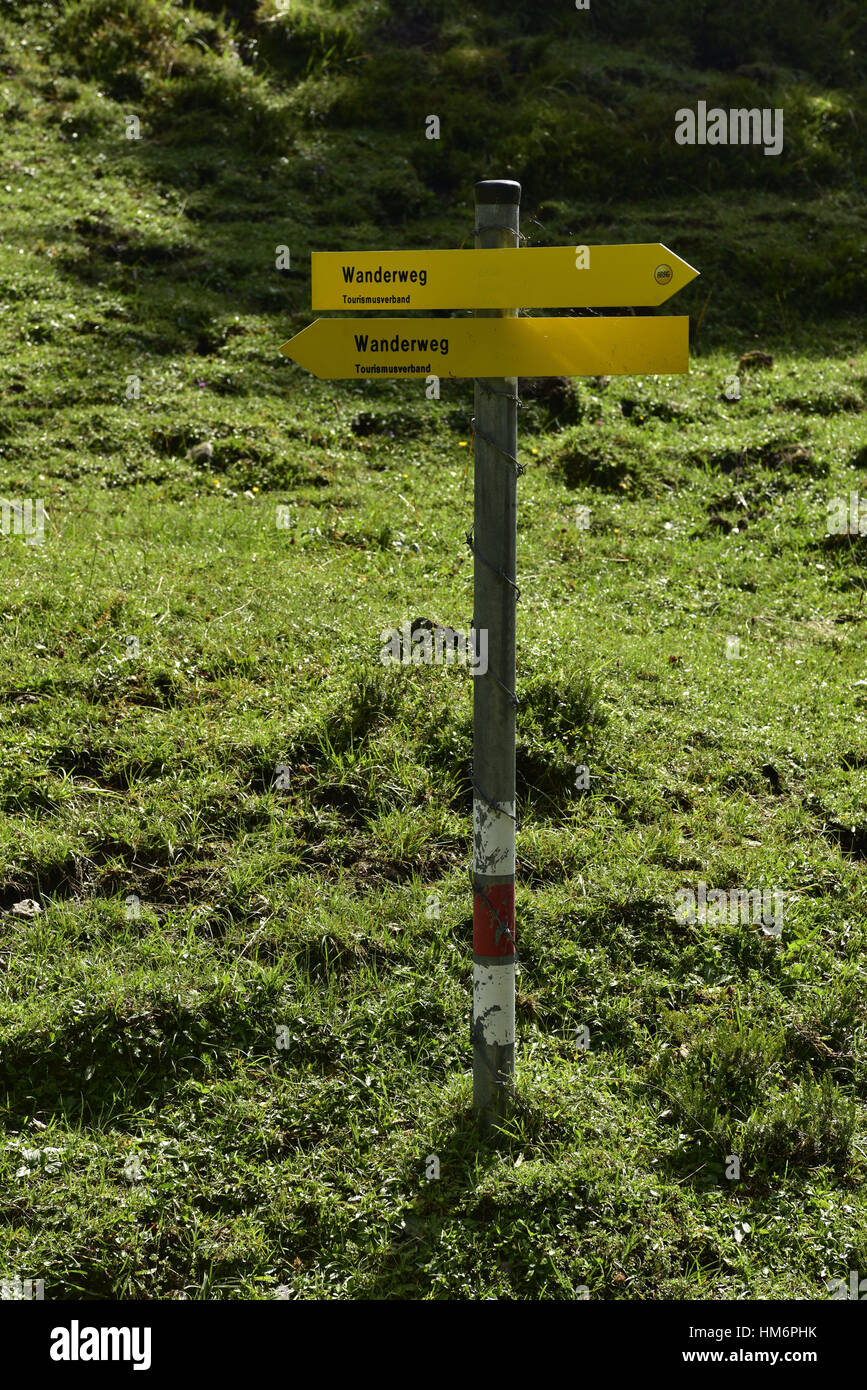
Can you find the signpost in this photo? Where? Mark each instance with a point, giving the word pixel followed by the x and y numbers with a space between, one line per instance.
pixel 495 348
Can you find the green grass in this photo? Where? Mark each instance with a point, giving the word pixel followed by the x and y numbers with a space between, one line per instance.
pixel 238 1028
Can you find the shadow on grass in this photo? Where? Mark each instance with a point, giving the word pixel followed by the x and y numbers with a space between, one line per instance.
pixel 107 1063
pixel 465 1154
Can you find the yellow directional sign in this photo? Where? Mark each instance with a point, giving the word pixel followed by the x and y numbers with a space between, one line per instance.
pixel 549 277
pixel 492 347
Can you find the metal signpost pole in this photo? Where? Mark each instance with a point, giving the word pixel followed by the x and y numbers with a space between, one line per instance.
pixel 494 545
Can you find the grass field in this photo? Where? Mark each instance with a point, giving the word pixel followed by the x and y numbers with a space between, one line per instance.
pixel 235 941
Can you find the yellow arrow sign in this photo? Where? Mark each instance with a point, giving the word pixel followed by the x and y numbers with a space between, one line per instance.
pixel 492 347
pixel 548 277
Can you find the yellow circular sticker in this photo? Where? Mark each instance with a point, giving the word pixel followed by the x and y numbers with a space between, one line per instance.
pixel 662 274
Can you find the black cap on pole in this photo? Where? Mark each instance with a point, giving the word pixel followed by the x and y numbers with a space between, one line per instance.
pixel 498 191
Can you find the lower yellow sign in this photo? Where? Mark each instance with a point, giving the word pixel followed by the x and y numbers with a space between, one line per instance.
pixel 620 346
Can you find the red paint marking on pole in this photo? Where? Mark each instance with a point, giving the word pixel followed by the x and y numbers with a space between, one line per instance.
pixel 494 920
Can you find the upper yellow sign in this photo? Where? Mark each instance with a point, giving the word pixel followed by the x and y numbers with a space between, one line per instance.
pixel 549 277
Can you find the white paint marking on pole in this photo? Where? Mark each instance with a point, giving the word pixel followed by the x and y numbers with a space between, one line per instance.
pixel 494 838
pixel 494 1001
